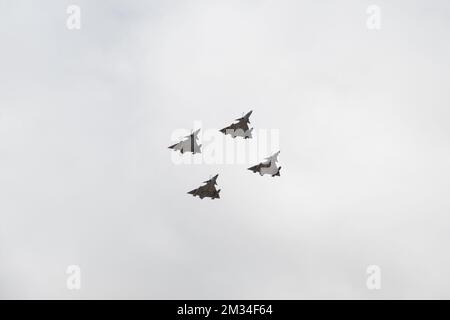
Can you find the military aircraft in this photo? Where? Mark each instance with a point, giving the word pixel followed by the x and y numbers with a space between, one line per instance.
pixel 268 167
pixel 189 144
pixel 240 128
pixel 208 190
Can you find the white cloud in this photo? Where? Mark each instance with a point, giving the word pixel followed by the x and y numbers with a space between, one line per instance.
pixel 86 117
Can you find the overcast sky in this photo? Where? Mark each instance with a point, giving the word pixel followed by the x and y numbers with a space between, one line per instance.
pixel 86 178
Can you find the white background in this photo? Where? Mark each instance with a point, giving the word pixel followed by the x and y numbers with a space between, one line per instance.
pixel 86 178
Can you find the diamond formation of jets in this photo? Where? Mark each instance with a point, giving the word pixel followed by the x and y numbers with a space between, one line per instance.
pixel 268 167
pixel 208 190
pixel 237 129
pixel 240 128
pixel 189 144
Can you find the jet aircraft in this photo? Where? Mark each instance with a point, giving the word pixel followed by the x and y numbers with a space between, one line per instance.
pixel 240 128
pixel 268 167
pixel 189 144
pixel 208 190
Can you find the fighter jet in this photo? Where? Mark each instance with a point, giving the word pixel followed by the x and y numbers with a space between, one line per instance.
pixel 189 144
pixel 240 128
pixel 208 190
pixel 268 167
